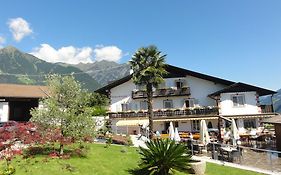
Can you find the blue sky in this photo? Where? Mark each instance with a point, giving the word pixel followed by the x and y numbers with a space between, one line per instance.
pixel 237 40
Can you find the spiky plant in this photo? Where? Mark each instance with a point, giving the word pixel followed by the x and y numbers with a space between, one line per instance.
pixel 163 157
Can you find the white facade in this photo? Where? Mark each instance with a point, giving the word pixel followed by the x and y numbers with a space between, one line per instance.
pixel 199 90
pixel 4 111
pixel 228 108
pixel 229 104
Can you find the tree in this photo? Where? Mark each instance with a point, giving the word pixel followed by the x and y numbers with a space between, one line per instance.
pixel 148 66
pixel 98 103
pixel 65 109
pixel 162 156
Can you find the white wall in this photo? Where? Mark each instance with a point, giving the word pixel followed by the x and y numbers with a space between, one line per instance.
pixel 200 89
pixel 227 108
pixel 121 94
pixel 4 111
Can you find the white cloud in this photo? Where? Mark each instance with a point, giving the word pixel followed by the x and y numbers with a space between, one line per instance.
pixel 19 28
pixel 108 53
pixel 2 41
pixel 72 55
pixel 69 54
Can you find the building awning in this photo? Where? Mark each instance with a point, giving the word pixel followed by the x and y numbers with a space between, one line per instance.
pixel 132 122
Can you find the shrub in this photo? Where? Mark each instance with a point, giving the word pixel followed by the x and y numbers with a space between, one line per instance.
pixel 164 156
pixel 121 140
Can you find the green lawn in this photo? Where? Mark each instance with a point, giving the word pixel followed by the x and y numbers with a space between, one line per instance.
pixel 115 160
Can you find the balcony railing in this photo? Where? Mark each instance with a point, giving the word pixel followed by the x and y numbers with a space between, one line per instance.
pixel 266 108
pixel 167 113
pixel 162 92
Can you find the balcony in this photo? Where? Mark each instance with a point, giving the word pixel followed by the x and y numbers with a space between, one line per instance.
pixel 266 108
pixel 203 111
pixel 162 92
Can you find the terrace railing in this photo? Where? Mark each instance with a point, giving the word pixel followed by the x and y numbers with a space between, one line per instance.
pixel 167 113
pixel 162 92
pixel 266 108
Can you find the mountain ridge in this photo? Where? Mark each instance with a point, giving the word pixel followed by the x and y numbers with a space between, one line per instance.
pixel 105 71
pixel 22 68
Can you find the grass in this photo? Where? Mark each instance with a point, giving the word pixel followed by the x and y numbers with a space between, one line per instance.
pixel 115 160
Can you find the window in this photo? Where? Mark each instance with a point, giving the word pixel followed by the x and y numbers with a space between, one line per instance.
pixel 195 125
pixel 238 100
pixel 125 106
pixel 249 123
pixel 210 125
pixel 168 104
pixel 190 102
pixel 143 105
pixel 179 83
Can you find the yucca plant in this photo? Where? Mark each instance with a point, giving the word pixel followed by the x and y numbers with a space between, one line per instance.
pixel 163 157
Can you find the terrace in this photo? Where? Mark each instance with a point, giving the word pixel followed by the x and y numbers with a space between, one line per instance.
pixel 202 111
pixel 188 112
pixel 165 92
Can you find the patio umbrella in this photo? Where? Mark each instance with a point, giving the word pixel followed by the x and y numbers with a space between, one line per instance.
pixel 204 135
pixel 234 132
pixel 177 136
pixel 171 131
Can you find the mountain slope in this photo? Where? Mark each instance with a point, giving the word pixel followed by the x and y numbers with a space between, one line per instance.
pixel 14 61
pixel 105 71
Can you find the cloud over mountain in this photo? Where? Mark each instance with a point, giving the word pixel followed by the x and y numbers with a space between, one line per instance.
pixel 68 54
pixel 20 28
pixel 74 55
pixel 108 53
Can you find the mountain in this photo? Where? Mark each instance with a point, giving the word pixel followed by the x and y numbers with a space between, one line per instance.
pixel 105 71
pixel 14 62
pixel 276 101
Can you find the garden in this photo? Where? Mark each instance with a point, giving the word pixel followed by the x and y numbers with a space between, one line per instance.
pixel 60 139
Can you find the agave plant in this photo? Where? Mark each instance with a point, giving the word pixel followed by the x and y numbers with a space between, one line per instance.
pixel 163 157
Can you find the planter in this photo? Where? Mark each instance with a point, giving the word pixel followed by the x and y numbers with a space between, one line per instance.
pixel 197 167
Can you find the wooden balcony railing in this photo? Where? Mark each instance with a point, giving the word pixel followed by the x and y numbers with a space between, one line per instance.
pixel 162 92
pixel 266 108
pixel 166 113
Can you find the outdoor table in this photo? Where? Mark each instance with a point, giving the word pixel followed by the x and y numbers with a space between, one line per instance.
pixel 228 151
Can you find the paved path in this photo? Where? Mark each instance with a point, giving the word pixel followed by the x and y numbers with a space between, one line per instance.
pixel 251 160
pixel 137 142
pixel 223 163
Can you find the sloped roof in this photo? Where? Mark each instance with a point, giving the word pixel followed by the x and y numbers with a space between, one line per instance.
pixel 173 72
pixel 23 91
pixel 242 87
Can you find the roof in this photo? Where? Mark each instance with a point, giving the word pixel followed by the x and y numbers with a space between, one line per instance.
pixel 242 87
pixel 173 72
pixel 23 91
pixel 273 120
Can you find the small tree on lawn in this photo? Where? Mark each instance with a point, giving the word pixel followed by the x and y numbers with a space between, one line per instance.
pixel 65 109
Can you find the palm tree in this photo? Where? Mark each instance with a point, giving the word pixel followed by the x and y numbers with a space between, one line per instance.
pixel 148 66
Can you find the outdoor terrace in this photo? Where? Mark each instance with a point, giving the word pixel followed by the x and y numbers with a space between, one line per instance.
pixel 162 92
pixel 202 111
pixel 267 108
